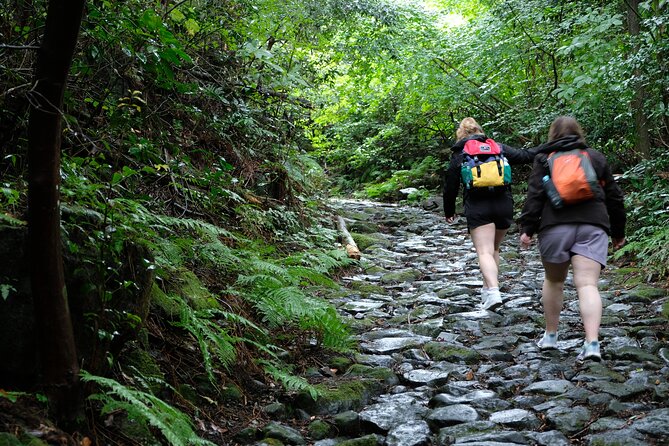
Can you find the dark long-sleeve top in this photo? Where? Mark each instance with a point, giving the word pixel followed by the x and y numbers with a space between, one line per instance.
pixel 606 209
pixel 452 175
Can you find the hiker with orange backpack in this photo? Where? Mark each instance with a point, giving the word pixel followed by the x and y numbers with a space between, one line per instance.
pixel 482 166
pixel 574 204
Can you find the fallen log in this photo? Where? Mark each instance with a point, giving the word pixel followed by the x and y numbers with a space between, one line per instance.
pixel 351 248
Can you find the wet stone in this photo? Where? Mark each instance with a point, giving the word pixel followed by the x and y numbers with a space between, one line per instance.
pixel 450 415
pixel 413 433
pixel 517 418
pixel 551 387
pixel 569 420
pixel 395 410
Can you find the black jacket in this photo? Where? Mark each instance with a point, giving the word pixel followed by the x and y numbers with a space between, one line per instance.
pixel 606 209
pixel 452 178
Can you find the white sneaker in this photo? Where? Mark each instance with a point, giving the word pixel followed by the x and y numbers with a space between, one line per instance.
pixel 590 351
pixel 548 341
pixel 492 299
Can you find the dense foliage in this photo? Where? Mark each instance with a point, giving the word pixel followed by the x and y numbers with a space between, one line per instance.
pixel 209 133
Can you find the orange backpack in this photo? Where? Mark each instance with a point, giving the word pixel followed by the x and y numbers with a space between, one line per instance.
pixel 572 176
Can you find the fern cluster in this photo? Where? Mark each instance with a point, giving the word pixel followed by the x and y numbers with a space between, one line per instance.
pixel 145 409
pixel 647 205
pixel 285 294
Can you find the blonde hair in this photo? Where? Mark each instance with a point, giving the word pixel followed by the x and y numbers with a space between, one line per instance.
pixel 468 127
pixel 565 126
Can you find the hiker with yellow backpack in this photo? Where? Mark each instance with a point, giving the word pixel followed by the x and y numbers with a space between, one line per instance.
pixel 573 203
pixel 482 166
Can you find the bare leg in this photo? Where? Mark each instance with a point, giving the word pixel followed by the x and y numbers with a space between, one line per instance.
pixel 499 237
pixel 586 276
pixel 552 293
pixel 486 240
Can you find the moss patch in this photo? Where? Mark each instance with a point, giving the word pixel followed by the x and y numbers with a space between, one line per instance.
pixel 408 275
pixel 366 288
pixel 367 440
pixel 347 395
pixel 443 352
pixel 364 241
pixel 384 374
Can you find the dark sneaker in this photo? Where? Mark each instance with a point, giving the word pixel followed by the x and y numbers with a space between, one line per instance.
pixel 548 341
pixel 590 351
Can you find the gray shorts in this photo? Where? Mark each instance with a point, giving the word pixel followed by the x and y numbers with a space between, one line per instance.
pixel 557 244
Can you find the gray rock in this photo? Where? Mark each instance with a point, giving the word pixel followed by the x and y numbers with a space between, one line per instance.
pixel 413 433
pixel 283 433
pixel 450 415
pixel 516 418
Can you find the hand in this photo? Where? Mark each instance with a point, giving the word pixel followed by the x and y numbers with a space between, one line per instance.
pixel 618 243
pixel 525 241
pixel 450 219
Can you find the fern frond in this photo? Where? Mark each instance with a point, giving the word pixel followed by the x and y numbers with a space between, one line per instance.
pixel 199 226
pixel 213 340
pixel 266 267
pixel 290 382
pixel 259 281
pixel 143 408
pixel 302 273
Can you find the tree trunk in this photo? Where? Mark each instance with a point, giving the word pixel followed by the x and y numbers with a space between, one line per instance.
pixel 641 133
pixel 351 247
pixel 58 356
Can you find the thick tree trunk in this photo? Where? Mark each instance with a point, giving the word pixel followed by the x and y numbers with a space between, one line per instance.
pixel 58 355
pixel 641 132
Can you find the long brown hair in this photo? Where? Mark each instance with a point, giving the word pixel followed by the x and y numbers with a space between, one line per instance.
pixel 565 126
pixel 467 127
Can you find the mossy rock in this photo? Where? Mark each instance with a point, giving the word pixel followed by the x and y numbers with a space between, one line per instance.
pixel 408 275
pixel 627 276
pixel 367 440
pixel 374 269
pixel 645 294
pixel 347 395
pixel 319 429
pixel 341 363
pixel 610 321
pixel 365 227
pixel 247 435
pixel 185 285
pixel 169 305
pixel 366 288
pixel 232 393
pixel 443 352
pixel 383 374
pixel 364 241
pixel 362 325
pixel 665 310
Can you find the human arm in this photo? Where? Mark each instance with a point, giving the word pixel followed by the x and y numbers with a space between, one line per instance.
pixel 534 202
pixel 451 186
pixel 518 156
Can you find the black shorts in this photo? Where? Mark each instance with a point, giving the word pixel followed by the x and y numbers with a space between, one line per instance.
pixel 483 210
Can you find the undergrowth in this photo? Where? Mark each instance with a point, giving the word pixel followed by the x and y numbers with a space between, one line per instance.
pixel 647 205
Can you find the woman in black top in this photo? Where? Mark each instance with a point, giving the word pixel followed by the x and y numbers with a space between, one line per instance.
pixel 575 234
pixel 489 211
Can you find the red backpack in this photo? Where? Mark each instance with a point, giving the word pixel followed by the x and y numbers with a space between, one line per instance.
pixel 484 165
